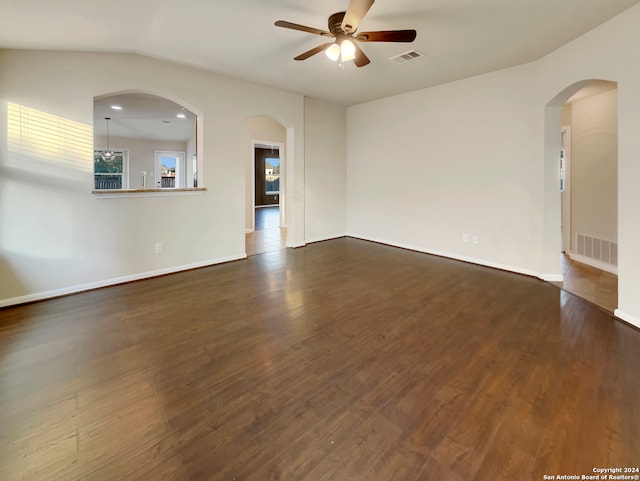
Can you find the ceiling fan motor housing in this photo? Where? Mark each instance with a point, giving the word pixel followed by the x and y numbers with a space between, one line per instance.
pixel 335 24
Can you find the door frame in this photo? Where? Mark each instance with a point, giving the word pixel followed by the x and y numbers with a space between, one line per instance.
pixel 565 206
pixel 180 167
pixel 281 151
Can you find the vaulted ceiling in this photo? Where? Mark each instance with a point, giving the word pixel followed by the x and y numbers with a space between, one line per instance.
pixel 459 38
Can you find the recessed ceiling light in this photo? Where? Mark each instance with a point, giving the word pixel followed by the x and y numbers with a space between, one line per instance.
pixel 116 107
pixel 181 116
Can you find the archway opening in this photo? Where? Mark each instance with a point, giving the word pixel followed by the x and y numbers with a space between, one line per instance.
pixel 266 186
pixel 153 140
pixel 587 212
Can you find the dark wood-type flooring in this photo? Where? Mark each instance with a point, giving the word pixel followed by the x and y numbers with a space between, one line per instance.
pixel 267 217
pixel 343 360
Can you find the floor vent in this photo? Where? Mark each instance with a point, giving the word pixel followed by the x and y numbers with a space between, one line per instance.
pixel 599 249
pixel 409 56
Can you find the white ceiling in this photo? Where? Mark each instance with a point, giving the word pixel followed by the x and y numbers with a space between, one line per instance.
pixel 459 38
pixel 143 116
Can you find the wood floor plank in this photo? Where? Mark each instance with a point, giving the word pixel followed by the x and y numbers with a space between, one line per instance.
pixel 343 360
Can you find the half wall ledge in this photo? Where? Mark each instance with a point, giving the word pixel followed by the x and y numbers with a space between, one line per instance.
pixel 118 193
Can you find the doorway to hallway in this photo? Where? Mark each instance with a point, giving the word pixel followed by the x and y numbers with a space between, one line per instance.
pixel 267 217
pixel 268 236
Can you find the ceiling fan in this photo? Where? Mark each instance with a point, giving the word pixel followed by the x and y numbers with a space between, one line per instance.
pixel 342 28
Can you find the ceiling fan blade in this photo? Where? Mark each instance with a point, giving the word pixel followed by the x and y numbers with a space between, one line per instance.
pixel 361 59
pixel 302 28
pixel 313 51
pixel 355 13
pixel 387 36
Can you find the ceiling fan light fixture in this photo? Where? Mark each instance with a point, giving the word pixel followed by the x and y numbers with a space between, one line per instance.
pixel 347 50
pixel 342 27
pixel 333 52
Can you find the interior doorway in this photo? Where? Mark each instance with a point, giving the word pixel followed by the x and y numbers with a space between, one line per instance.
pixel 269 232
pixel 587 158
pixel 267 176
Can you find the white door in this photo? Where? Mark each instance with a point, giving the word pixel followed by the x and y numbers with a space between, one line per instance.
pixel 169 169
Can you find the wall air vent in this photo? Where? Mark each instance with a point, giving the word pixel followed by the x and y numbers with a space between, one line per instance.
pixel 598 249
pixel 409 56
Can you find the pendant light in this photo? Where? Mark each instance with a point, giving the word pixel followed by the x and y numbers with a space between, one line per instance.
pixel 109 154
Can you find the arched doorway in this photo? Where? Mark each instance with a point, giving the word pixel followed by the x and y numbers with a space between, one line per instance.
pixel 587 212
pixel 266 187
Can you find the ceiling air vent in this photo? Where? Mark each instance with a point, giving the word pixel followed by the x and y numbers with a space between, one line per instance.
pixel 409 56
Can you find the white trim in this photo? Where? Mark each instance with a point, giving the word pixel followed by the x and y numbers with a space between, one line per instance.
pixel 283 190
pixel 551 277
pixel 326 238
pixel 40 296
pixel 296 245
pixel 565 204
pixel 472 260
pixel 603 266
pixel 634 321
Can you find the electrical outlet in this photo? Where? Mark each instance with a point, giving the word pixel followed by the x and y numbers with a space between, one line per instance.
pixel 474 239
pixel 159 247
pixel 465 237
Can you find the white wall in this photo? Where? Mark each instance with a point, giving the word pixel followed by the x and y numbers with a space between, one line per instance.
pixel 429 166
pixel 325 155
pixel 607 53
pixel 55 237
pixel 481 156
pixel 594 167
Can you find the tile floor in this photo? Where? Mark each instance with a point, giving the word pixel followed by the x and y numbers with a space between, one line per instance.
pixel 594 285
pixel 268 236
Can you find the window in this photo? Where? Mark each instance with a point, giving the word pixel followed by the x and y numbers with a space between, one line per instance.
pixel 272 175
pixel 110 174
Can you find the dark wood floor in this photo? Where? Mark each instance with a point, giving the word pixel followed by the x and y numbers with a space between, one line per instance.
pixel 343 360
pixel 267 217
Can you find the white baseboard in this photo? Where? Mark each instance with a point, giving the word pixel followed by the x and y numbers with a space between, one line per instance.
pixel 449 255
pixel 551 277
pixel 603 266
pixel 634 321
pixel 326 238
pixel 295 245
pixel 40 296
